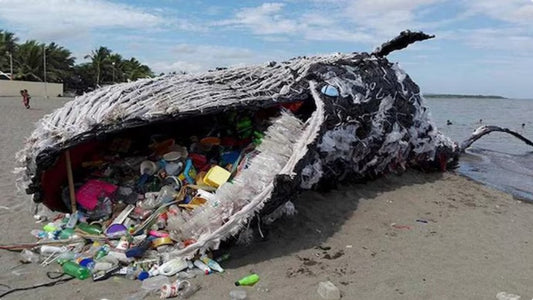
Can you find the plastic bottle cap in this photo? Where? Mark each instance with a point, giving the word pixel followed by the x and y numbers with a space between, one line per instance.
pixel 86 262
pixel 143 275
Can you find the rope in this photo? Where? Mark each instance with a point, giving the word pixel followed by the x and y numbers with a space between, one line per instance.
pixel 51 283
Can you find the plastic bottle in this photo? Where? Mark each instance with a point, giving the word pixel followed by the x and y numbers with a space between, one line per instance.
pixel 103 251
pixel 75 270
pixel 200 265
pixel 248 280
pixel 211 264
pixel 73 220
pixel 67 256
pixel 92 229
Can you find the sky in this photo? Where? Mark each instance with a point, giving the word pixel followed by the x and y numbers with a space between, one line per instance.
pixel 481 46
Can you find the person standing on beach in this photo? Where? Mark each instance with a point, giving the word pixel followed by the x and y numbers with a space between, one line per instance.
pixel 25 98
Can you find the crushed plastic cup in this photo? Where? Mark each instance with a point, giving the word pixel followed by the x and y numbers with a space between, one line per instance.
pixel 27 256
pixel 327 290
pixel 155 283
pixel 237 295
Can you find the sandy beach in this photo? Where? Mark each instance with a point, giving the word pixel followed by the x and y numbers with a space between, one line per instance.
pixel 415 236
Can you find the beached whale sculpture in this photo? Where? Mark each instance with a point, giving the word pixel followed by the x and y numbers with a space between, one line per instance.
pixel 362 116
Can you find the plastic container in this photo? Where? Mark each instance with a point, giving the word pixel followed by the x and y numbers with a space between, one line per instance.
pixel 75 270
pixel 248 280
pixel 213 265
pixel 200 265
pixel 217 176
pixel 189 173
pixel 172 267
pixel 327 290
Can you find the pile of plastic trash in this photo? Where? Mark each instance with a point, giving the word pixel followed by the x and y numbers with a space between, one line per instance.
pixel 136 206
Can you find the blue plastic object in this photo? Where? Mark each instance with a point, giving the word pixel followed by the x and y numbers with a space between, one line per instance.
pixel 143 275
pixel 230 157
pixel 139 250
pixel 87 263
pixel 188 166
pixel 330 91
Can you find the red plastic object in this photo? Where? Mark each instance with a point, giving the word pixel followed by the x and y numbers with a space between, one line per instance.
pixel 199 161
pixel 87 195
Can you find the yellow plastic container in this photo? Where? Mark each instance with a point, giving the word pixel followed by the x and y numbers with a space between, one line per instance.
pixel 216 176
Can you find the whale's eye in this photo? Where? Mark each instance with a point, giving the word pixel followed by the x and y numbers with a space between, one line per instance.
pixel 330 91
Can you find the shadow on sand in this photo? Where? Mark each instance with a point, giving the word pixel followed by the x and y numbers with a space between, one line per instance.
pixel 319 217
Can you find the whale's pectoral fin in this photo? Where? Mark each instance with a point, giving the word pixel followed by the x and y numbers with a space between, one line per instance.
pixel 484 130
pixel 401 41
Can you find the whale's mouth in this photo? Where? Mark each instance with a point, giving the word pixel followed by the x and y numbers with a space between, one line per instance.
pixel 273 146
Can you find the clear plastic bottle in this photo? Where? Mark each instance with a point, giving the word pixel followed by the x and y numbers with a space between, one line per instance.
pixel 211 263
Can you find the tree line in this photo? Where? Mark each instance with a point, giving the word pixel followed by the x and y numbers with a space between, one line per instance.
pixel 104 66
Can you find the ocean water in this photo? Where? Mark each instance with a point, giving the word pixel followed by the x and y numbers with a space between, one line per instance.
pixel 497 159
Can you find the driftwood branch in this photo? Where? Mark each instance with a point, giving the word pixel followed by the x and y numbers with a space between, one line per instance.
pixel 401 41
pixel 484 130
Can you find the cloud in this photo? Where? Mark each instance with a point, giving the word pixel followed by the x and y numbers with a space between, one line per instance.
pixel 389 17
pixel 264 19
pixel 508 41
pixel 196 58
pixel 363 21
pixel 57 18
pixel 512 11
pixel 272 20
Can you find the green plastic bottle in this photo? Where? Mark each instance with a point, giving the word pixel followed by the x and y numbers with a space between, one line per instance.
pixel 92 229
pixel 248 280
pixel 75 270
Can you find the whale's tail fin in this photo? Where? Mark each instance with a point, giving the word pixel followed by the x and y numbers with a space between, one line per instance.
pixel 404 39
pixel 484 130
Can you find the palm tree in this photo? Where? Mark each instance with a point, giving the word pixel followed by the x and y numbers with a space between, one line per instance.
pixel 59 63
pixel 8 46
pixel 117 68
pixel 99 59
pixel 135 70
pixel 29 61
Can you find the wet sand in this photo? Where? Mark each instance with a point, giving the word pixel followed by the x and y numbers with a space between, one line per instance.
pixel 364 238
